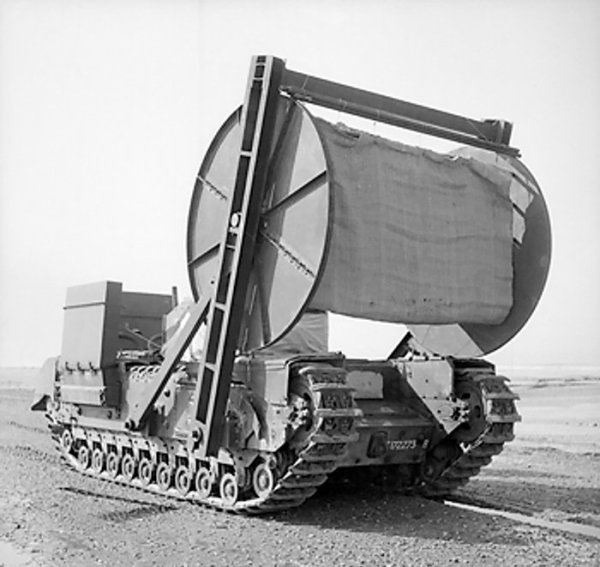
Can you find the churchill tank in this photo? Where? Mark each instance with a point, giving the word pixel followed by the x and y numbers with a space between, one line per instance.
pixel 233 399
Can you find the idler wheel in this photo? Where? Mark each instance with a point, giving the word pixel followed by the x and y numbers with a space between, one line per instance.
pixel 183 479
pixel 228 489
pixel 128 466
pixel 113 463
pixel 97 460
pixel 203 482
pixel 66 440
pixel 145 471
pixel 163 476
pixel 263 480
pixel 83 457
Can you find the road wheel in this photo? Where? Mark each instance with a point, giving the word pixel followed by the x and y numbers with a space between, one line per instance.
pixel 145 471
pixel 228 488
pixel 203 482
pixel 113 462
pixel 183 479
pixel 83 457
pixel 97 460
pixel 66 440
pixel 163 476
pixel 128 466
pixel 263 480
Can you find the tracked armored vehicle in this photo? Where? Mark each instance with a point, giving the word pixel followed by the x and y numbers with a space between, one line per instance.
pixel 292 218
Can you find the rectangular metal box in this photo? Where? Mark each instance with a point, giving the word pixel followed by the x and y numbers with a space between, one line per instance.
pixel 100 321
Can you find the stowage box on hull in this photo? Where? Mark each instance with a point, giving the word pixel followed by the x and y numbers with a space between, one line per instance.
pixel 101 323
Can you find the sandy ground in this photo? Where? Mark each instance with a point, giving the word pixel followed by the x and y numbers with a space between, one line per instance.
pixel 53 516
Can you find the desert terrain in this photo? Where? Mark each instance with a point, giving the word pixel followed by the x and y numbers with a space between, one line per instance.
pixel 538 503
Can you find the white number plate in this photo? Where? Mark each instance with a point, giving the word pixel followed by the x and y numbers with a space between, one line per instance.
pixel 402 445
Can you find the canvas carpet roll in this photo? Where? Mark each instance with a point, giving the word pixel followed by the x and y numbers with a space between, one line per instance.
pixel 417 236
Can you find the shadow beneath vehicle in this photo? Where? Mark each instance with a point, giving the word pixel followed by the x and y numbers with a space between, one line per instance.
pixel 514 491
pixel 142 508
pixel 104 496
pixel 143 511
pixel 511 474
pixel 398 515
pixel 401 515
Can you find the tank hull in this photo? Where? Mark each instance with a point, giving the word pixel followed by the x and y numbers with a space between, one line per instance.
pixel 294 423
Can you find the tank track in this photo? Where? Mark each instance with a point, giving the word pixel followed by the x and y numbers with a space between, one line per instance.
pixel 299 473
pixel 500 418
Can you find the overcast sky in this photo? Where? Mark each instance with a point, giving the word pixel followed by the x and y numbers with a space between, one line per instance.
pixel 107 108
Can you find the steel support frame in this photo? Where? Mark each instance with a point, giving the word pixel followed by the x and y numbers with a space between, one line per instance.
pixel 488 134
pixel 236 252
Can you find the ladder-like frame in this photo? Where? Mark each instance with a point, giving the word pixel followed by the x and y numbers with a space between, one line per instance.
pixel 223 312
pixel 236 252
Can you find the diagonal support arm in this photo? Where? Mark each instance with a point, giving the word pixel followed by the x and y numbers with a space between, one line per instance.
pixel 143 407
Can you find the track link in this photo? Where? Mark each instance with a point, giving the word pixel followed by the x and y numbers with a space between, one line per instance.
pixel 501 415
pixel 304 469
